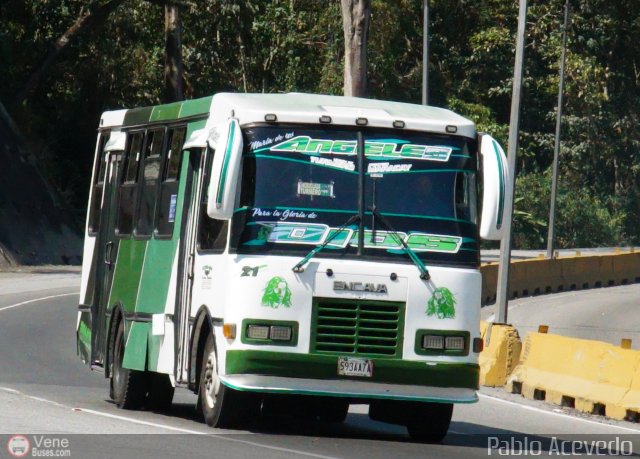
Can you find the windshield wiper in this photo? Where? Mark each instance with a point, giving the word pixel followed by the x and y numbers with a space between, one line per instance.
pixel 298 268
pixel 424 272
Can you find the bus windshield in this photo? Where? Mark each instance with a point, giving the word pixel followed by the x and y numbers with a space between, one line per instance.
pixel 300 186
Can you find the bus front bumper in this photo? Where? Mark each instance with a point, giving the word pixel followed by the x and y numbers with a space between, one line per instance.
pixel 309 374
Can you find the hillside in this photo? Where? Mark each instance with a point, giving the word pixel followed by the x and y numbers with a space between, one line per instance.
pixel 34 228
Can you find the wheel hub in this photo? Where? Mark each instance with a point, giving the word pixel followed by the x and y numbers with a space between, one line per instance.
pixel 211 381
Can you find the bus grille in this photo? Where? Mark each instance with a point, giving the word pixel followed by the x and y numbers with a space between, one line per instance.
pixel 357 327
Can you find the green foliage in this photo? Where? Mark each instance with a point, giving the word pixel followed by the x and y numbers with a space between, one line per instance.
pixel 582 219
pixel 297 45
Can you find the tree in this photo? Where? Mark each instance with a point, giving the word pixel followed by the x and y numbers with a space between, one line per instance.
pixel 95 15
pixel 173 54
pixel 356 15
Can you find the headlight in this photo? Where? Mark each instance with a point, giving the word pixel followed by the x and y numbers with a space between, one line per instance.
pixel 280 333
pixel 258 332
pixel 454 343
pixel 435 342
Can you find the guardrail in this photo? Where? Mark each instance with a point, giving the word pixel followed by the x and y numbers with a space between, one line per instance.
pixel 539 275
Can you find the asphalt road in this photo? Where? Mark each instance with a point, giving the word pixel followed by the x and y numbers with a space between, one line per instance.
pixel 46 393
pixel 604 314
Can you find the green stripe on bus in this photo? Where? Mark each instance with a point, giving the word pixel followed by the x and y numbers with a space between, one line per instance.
pixel 126 278
pixel 390 371
pixel 195 107
pixel 135 353
pixel 137 116
pixel 166 112
pixel 158 260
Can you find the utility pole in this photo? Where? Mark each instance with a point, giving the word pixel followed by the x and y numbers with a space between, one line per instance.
pixel 425 53
pixel 556 149
pixel 502 295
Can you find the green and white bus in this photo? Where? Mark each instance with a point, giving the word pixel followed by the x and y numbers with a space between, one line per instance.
pixel 274 251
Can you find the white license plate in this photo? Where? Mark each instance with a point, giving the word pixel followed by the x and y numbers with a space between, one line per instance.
pixel 349 366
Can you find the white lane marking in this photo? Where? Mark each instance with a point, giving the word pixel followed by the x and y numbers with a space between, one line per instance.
pixel 137 421
pixel 276 448
pixel 36 300
pixel 38 399
pixel 175 429
pixel 562 415
pixel 218 436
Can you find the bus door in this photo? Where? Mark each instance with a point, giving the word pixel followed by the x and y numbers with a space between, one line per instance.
pixel 193 196
pixel 106 251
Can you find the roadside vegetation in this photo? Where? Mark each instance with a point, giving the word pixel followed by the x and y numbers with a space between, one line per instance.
pixel 66 61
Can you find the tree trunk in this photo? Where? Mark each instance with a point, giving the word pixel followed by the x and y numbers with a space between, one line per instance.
pixel 173 54
pixel 356 15
pixel 87 20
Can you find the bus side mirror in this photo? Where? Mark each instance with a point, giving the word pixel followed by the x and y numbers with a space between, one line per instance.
pixel 496 186
pixel 225 170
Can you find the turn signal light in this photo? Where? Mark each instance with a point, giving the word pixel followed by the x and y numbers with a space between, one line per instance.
pixel 229 331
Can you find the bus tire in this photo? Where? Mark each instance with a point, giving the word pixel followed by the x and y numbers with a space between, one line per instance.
pixel 161 392
pixel 429 422
pixel 333 410
pixel 221 406
pixel 129 386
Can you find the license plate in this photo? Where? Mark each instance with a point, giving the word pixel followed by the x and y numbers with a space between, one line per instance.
pixel 349 366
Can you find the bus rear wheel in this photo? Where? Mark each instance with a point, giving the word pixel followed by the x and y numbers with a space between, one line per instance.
pixel 222 406
pixel 129 387
pixel 429 422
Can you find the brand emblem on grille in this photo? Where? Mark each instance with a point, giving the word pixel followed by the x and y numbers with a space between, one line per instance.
pixel 359 287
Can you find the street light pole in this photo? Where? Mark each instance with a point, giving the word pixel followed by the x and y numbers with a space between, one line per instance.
pixel 556 149
pixel 502 295
pixel 425 53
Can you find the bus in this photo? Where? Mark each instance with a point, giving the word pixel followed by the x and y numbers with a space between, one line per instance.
pixel 290 253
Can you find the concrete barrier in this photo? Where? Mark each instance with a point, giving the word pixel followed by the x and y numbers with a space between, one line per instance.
pixel 631 400
pixel 500 355
pixel 591 376
pixel 538 276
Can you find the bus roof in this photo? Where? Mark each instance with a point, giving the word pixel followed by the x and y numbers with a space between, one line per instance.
pixel 296 108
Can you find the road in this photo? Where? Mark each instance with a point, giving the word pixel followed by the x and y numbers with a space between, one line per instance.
pixel 604 314
pixel 44 389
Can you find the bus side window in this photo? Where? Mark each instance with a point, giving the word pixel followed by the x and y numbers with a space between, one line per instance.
pixel 212 233
pixel 151 172
pixel 98 185
pixel 128 186
pixel 170 180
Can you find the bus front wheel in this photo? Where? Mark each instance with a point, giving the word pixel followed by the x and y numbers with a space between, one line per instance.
pixel 222 406
pixel 429 422
pixel 129 387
